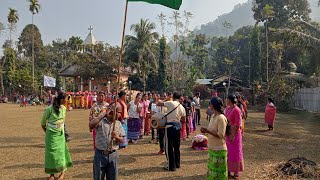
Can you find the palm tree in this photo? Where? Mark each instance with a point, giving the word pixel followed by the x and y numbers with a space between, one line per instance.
pixel 141 48
pixel 13 18
pixel 34 8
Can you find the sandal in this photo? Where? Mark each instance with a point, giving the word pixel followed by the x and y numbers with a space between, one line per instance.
pixel 61 176
pixel 51 177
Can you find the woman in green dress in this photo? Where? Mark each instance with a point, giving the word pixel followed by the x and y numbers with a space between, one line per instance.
pixel 217 148
pixel 57 156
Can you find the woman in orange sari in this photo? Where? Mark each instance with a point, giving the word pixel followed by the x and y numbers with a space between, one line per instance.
pixel 270 114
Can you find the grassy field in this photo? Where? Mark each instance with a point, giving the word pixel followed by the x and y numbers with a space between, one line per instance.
pixel 22 147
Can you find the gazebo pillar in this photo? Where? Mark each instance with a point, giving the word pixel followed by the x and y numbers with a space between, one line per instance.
pixel 90 85
pixel 81 84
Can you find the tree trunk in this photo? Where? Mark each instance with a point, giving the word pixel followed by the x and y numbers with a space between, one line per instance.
pixel 144 82
pixel 2 86
pixel 32 55
pixel 267 41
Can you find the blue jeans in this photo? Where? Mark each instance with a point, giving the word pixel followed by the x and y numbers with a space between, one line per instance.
pixel 105 166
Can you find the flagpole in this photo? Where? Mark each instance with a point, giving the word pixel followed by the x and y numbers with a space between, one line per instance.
pixel 115 114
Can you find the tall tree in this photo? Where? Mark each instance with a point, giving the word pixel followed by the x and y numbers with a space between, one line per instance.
pixel 200 52
pixel 267 14
pixel 34 8
pixel 255 55
pixel 1 27
pixel 140 49
pixel 177 24
pixel 1 75
pixel 284 10
pixel 9 67
pixel 13 18
pixel 28 47
pixel 162 76
pixel 162 18
pixel 74 43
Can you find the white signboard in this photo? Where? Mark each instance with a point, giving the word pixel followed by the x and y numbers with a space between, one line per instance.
pixel 49 81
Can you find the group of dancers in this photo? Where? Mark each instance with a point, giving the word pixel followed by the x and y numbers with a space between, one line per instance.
pixel 133 123
pixel 135 116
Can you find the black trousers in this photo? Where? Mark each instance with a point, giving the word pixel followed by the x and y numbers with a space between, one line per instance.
pixel 153 132
pixel 161 138
pixel 198 116
pixel 173 147
pixel 187 125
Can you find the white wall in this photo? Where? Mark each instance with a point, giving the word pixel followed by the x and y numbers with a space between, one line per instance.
pixel 307 99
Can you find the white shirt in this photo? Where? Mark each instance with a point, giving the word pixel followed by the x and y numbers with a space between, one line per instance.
pixel 197 101
pixel 155 108
pixel 176 115
pixel 94 98
pixel 133 110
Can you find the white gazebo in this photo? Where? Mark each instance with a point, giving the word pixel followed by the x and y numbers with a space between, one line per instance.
pixel 90 41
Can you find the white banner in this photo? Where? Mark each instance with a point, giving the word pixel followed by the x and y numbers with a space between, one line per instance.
pixel 49 81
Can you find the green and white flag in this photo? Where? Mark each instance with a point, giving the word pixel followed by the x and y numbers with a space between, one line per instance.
pixel 174 4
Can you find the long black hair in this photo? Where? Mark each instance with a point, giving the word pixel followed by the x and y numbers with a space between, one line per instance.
pixel 233 99
pixel 217 104
pixel 58 102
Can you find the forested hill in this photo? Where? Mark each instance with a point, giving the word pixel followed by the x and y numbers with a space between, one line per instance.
pixel 240 16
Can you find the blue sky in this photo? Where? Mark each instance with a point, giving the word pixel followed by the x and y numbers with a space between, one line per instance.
pixel 65 18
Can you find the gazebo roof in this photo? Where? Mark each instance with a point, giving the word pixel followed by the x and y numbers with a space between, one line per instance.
pixel 69 70
pixel 90 39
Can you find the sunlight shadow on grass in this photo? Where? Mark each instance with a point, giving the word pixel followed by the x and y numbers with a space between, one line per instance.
pixel 23 146
pixel 184 178
pixel 41 178
pixel 80 150
pixel 84 176
pixel 24 166
pixel 21 140
pixel 131 172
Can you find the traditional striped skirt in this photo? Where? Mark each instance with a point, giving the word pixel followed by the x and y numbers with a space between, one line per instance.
pixel 147 124
pixel 183 131
pixel 134 126
pixel 217 165
pixel 125 140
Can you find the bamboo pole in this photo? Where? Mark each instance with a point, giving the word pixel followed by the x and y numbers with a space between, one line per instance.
pixel 115 114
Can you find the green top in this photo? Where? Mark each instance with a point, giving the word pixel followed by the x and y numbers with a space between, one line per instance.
pixel 50 117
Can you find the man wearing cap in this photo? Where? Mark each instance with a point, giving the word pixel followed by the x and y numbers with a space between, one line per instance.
pixel 106 156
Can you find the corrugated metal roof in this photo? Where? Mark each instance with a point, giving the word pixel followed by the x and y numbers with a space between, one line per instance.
pixel 204 81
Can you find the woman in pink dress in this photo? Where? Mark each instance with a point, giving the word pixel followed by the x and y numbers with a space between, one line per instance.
pixel 183 130
pixel 145 114
pixel 90 100
pixel 234 138
pixel 270 114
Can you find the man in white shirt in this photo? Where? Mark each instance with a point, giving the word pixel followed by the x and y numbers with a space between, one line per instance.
pixel 176 112
pixel 196 99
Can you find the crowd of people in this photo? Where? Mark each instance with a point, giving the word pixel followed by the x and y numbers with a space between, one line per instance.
pixel 114 125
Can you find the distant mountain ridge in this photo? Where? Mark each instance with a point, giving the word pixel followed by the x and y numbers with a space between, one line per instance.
pixel 240 16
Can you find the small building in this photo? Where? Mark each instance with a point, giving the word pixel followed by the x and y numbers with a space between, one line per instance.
pixel 95 83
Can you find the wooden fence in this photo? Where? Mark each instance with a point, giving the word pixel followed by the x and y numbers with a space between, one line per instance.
pixel 307 99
